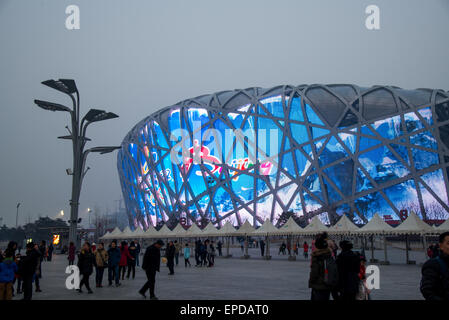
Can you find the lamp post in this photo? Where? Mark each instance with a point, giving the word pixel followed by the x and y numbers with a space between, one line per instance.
pixel 79 139
pixel 17 215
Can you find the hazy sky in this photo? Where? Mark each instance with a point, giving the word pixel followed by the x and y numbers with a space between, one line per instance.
pixel 133 57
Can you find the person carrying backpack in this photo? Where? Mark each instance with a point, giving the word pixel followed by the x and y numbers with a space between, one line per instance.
pixel 323 271
pixel 435 273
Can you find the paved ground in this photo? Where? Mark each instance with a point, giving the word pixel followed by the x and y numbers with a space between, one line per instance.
pixel 236 278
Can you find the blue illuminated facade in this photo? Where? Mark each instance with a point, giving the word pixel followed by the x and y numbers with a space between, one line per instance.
pixel 322 150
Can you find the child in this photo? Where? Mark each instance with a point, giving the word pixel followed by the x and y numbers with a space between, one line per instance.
pixel 187 255
pixel 8 268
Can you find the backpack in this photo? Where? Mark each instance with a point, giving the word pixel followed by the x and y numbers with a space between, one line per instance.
pixel 330 272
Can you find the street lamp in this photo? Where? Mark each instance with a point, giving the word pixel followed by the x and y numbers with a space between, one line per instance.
pixel 79 139
pixel 17 215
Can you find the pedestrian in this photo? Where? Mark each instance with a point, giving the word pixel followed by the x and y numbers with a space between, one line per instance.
pixel 305 248
pixel 197 252
pixel 430 251
pixel 93 247
pixel 86 263
pixel 132 261
pixel 262 248
pixel 187 255
pixel 113 263
pixel 124 256
pixel 219 247
pixel 364 292
pixel 101 262
pixel 27 270
pixel 348 263
pixel 71 255
pixel 295 248
pixel 50 251
pixel 38 272
pixel 137 253
pixel 204 253
pixel 289 248
pixel 323 271
pixel 170 255
pixel 211 254
pixel 8 269
pixel 151 265
pixel 177 251
pixel 17 277
pixel 435 273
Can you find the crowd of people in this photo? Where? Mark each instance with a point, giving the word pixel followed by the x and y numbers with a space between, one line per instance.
pixel 341 276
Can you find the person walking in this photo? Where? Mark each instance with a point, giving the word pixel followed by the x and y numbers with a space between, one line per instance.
pixel 113 263
pixel 50 251
pixel 197 252
pixel 132 261
pixel 101 262
pixel 262 248
pixel 204 253
pixel 305 248
pixel 137 253
pixel 435 273
pixel 86 262
pixel 124 256
pixel 170 255
pixel 322 275
pixel 187 255
pixel 348 263
pixel 71 255
pixel 8 269
pixel 210 254
pixel 151 264
pixel 38 271
pixel 27 270
pixel 177 251
pixel 219 248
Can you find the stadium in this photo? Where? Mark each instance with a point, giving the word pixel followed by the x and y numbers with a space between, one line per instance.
pixel 301 151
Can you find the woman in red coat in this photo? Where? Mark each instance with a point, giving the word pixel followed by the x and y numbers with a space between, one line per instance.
pixel 125 255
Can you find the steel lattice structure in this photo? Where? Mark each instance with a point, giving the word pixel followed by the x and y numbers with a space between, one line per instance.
pixel 341 149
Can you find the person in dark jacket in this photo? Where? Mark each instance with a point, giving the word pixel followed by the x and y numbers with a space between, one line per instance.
pixel 38 271
pixel 86 263
pixel 114 256
pixel 197 252
pixel 348 263
pixel 71 253
pixel 320 290
pixel 151 264
pixel 50 251
pixel 219 248
pixel 262 248
pixel 435 273
pixel 132 261
pixel 170 255
pixel 27 270
pixel 138 254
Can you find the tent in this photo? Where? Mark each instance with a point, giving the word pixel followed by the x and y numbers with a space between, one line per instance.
pixel 227 229
pixel 106 235
pixel 413 225
pixel 315 226
pixel 376 226
pixel 210 231
pixel 245 229
pixel 116 233
pixel 344 226
pixel 165 232
pixel 267 229
pixel 443 227
pixel 179 231
pixel 151 233
pixel 290 228
pixel 126 234
pixel 194 231
pixel 138 233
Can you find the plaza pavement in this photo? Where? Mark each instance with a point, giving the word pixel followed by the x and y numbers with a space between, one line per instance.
pixel 234 278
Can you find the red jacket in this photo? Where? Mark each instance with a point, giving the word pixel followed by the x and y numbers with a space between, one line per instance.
pixel 124 256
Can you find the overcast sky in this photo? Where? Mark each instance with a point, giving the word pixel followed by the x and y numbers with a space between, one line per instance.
pixel 134 57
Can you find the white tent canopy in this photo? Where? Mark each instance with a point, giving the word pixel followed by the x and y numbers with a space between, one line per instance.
pixel 413 225
pixel 139 233
pixel 126 234
pixel 344 226
pixel 179 231
pixel 245 230
pixel 315 226
pixel 165 232
pixel 210 231
pixel 151 233
pixel 291 228
pixel 115 233
pixel 443 227
pixel 267 229
pixel 194 231
pixel 106 235
pixel 376 226
pixel 227 229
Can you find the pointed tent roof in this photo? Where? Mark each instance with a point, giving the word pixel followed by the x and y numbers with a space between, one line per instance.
pixel 179 231
pixel 443 227
pixel 267 228
pixel 151 232
pixel 291 227
pixel 413 225
pixel 194 231
pixel 116 233
pixel 227 229
pixel 106 235
pixel 210 230
pixel 165 232
pixel 344 226
pixel 245 229
pixel 376 226
pixel 138 233
pixel 126 234
pixel 315 226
